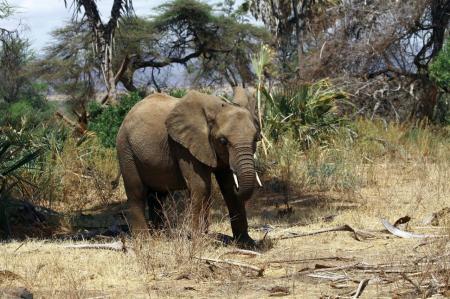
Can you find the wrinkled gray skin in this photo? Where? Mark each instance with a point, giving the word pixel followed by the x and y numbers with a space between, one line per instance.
pixel 167 144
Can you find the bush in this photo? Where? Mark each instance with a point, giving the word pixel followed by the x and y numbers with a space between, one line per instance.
pixel 307 111
pixel 178 92
pixel 28 113
pixel 105 122
pixel 440 67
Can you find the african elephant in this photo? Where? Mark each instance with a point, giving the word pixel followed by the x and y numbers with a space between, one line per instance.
pixel 166 144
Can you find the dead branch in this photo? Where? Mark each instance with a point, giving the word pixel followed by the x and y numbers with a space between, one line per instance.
pixel 362 285
pixel 243 252
pixel 329 276
pixel 358 235
pixel 115 246
pixel 403 234
pixel 338 258
pixel 77 127
pixel 260 271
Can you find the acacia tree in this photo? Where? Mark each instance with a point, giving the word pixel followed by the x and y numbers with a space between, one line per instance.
pixel 15 58
pixel 212 45
pixel 103 35
pixel 188 32
pixel 69 67
pixel 15 77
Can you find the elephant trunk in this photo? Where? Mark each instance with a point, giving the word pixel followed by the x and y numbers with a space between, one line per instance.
pixel 243 166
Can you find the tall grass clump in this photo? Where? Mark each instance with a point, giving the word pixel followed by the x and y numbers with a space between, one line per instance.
pixel 77 175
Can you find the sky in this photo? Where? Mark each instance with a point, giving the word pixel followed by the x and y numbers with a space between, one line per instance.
pixel 37 18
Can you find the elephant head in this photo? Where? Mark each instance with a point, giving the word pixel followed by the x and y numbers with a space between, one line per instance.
pixel 219 134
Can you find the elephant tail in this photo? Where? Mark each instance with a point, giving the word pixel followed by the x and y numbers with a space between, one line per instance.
pixel 115 182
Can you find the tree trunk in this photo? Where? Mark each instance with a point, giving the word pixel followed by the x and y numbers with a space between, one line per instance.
pixel 298 36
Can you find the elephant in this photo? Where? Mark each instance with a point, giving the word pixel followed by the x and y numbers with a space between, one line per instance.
pixel 166 144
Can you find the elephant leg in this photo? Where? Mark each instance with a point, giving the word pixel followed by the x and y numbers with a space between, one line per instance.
pixel 198 181
pixel 136 194
pixel 236 208
pixel 155 210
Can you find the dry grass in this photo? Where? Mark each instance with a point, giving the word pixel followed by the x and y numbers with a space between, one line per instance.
pixel 79 176
pixel 387 173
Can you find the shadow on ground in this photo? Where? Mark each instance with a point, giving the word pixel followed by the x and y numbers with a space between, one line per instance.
pixel 269 205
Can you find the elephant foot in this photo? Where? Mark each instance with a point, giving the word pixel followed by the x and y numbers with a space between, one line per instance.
pixel 244 241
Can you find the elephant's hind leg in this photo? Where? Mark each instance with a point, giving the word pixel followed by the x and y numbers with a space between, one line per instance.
pixel 155 210
pixel 136 193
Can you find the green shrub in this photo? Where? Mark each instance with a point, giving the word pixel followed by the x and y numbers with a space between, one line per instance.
pixel 20 109
pixel 178 92
pixel 105 122
pixel 307 111
pixel 27 113
pixel 440 73
pixel 440 67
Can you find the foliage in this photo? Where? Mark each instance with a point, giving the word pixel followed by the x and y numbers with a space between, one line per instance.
pixel 18 149
pixel 105 122
pixel 442 109
pixel 214 45
pixel 307 111
pixel 440 67
pixel 262 64
pixel 16 77
pixel 26 113
pixel 178 92
pixel 440 73
pixel 68 65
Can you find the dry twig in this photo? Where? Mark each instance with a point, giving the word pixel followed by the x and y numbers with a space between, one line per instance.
pixel 338 258
pixel 260 271
pixel 115 246
pixel 358 235
pixel 362 285
pixel 242 251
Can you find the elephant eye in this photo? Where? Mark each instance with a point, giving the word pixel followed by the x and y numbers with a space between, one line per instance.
pixel 223 140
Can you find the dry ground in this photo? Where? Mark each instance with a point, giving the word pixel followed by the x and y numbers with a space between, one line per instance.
pixel 414 181
pixel 167 267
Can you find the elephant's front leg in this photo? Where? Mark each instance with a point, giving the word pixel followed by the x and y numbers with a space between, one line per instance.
pixel 236 208
pixel 198 181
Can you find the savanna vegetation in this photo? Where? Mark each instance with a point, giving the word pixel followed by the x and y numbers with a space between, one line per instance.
pixel 353 104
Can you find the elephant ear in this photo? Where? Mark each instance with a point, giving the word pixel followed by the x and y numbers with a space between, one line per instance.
pixel 244 99
pixel 188 124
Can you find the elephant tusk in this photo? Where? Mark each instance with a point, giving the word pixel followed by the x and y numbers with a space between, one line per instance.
pixel 235 181
pixel 258 180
